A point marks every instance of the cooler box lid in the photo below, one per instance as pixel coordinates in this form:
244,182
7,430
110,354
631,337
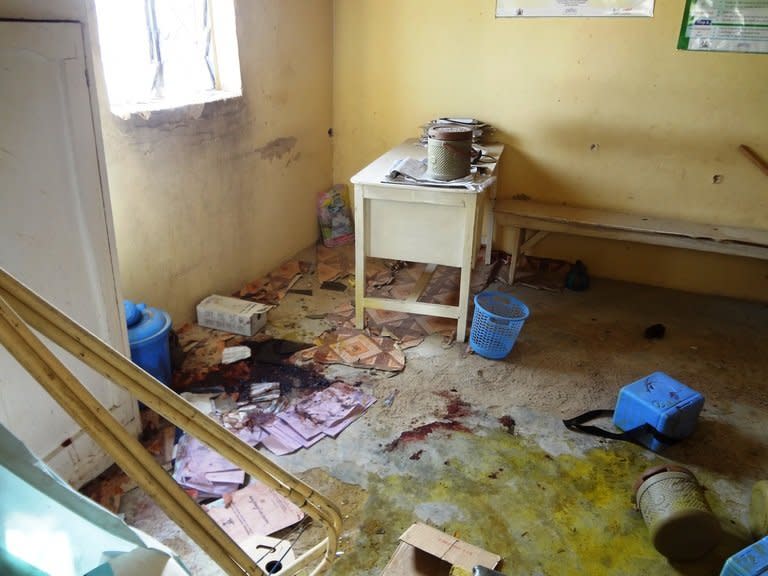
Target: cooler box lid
671,407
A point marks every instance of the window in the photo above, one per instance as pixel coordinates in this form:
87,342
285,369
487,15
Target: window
161,54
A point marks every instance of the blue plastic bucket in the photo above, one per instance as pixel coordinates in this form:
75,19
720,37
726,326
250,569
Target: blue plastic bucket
496,323
148,330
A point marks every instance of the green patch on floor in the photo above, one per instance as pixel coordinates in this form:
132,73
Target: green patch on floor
545,515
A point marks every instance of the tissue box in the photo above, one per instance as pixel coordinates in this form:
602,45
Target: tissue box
668,406
232,315
751,561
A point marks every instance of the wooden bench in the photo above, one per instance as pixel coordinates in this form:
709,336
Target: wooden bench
532,221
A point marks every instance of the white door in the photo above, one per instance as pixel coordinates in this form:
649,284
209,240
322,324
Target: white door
56,231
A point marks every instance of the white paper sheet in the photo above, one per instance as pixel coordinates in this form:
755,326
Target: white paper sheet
570,8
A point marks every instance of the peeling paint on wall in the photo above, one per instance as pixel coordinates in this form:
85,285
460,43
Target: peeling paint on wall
277,148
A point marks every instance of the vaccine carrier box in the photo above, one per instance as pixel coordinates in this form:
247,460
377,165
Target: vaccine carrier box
752,561
658,409
232,315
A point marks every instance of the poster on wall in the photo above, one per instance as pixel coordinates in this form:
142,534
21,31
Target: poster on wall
725,26
583,8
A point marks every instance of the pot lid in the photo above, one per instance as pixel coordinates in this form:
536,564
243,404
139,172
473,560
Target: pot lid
144,322
450,133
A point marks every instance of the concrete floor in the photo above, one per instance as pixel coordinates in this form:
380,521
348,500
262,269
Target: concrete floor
477,448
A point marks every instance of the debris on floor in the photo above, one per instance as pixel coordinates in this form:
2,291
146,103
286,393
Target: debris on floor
327,412
542,273
335,263
451,464
234,354
272,288
271,554
254,509
408,329
426,551
578,278
655,332
108,488
267,363
202,472
353,347
322,414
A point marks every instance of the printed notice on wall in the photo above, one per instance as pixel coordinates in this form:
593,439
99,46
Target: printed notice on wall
725,26
584,8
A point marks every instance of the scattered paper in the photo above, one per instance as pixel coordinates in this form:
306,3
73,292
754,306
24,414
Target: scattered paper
235,354
204,472
321,415
415,170
254,510
202,402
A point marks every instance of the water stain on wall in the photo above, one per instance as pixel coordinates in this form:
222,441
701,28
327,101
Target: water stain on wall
277,148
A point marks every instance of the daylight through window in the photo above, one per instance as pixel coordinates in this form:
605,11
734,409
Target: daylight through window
161,54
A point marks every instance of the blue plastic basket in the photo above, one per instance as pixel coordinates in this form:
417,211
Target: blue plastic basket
496,323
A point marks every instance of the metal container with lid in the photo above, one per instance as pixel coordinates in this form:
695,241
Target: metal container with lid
672,502
449,152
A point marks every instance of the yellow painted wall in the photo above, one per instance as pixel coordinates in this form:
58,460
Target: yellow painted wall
664,121
204,205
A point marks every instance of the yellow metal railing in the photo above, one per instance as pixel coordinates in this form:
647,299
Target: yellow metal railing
21,308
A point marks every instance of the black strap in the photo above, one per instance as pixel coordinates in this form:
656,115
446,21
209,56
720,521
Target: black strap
577,424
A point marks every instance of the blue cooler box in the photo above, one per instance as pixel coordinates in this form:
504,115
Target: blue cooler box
751,561
662,403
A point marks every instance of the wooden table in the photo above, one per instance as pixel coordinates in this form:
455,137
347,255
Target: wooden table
420,223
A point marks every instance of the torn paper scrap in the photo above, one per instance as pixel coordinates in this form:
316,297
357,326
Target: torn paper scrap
235,354
267,551
202,402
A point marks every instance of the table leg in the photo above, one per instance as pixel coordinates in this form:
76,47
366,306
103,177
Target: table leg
360,243
514,251
466,266
489,224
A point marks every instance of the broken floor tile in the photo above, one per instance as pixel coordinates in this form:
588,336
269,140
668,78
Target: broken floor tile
541,273
335,263
272,288
354,348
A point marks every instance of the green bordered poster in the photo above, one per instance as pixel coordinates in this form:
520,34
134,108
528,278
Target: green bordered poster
725,26
584,8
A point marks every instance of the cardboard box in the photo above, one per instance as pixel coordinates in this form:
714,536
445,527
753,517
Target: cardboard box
425,551
232,315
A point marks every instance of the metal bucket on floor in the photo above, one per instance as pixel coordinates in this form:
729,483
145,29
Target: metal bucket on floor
680,522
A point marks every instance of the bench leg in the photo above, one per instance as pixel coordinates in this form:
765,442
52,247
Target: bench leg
516,234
